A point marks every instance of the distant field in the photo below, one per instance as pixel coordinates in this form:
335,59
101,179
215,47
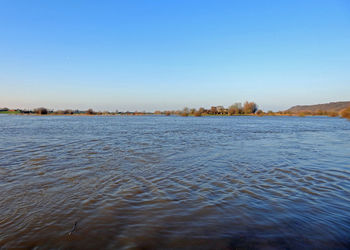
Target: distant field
10,112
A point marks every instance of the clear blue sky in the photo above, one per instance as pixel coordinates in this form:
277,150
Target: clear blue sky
147,55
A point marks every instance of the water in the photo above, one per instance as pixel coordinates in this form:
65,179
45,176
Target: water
174,182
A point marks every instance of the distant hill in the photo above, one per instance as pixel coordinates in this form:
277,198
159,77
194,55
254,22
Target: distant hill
332,106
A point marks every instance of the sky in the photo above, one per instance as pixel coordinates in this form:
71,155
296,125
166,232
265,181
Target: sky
159,55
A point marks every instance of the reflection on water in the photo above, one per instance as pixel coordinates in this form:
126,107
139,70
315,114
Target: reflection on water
174,182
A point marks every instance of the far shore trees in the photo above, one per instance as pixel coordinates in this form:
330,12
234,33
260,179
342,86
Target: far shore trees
90,112
64,112
68,112
197,113
185,112
236,109
260,112
41,111
345,113
250,107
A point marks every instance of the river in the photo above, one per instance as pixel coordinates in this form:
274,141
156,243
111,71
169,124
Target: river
156,182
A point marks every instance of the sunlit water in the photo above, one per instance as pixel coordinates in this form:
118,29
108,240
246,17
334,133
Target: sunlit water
174,182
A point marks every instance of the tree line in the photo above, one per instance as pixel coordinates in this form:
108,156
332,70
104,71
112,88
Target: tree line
248,108
236,109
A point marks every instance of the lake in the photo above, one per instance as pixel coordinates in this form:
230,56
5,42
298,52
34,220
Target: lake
156,182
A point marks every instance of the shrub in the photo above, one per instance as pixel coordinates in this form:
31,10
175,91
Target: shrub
235,109
185,112
345,113
213,110
332,114
319,112
197,113
41,111
259,112
59,112
90,112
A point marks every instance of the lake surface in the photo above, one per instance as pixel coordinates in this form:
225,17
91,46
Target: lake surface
155,182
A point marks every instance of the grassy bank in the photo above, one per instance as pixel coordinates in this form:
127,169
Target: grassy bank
11,112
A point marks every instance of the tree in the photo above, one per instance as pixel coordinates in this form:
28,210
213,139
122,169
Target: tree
68,112
235,109
250,107
197,113
232,110
41,111
90,112
259,112
185,112
220,110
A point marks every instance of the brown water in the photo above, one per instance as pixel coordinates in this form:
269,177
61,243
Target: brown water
174,182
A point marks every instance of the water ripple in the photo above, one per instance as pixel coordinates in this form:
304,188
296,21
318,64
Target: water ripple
174,182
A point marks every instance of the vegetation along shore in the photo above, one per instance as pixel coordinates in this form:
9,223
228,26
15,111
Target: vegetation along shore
334,109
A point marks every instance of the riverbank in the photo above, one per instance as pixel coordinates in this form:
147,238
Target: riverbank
249,109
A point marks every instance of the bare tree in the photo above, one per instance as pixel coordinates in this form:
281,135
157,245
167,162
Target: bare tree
90,112
213,110
41,111
250,107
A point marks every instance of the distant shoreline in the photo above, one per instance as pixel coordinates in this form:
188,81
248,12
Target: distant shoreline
334,109
189,115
